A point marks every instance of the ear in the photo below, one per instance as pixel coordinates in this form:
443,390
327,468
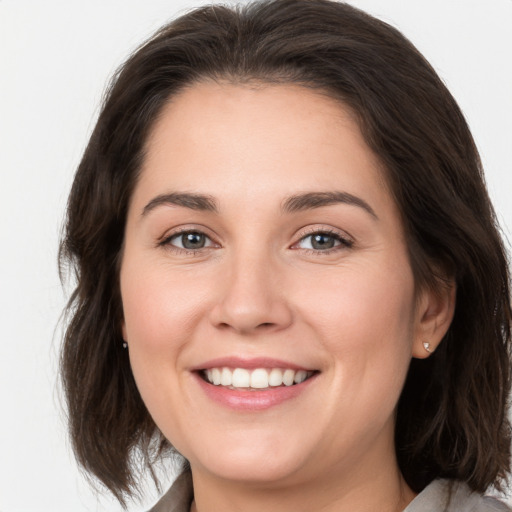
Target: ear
434,314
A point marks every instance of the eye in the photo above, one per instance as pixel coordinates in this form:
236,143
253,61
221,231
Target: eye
189,240
322,241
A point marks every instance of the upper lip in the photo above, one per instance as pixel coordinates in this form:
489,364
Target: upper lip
249,363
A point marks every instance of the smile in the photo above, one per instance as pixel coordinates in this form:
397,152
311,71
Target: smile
255,379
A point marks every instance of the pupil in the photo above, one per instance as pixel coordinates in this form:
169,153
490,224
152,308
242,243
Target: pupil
322,242
193,240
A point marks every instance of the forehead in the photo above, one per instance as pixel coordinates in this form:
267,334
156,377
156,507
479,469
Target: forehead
248,142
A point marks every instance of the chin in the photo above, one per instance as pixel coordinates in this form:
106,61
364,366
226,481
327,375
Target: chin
257,462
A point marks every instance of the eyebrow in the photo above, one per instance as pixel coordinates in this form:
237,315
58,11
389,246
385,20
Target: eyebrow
198,202
310,200
295,203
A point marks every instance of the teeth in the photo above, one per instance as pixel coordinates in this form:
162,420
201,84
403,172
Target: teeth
275,377
260,378
288,377
241,378
215,378
226,377
300,376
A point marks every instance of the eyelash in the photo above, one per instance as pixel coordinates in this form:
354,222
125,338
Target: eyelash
344,242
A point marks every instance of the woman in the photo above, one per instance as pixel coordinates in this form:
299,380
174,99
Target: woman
289,272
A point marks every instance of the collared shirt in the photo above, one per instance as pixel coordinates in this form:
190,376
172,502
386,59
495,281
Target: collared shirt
439,496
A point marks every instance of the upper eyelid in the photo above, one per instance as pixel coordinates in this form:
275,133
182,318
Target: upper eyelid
186,232
186,229
324,230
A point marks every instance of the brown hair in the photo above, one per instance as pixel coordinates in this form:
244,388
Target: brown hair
451,419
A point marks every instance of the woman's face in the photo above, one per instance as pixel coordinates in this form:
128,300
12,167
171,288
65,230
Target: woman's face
262,244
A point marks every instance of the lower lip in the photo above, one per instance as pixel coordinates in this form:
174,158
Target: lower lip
253,400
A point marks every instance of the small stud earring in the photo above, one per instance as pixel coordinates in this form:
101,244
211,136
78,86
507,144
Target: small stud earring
426,346
125,345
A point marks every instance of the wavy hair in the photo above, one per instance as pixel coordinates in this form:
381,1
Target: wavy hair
452,414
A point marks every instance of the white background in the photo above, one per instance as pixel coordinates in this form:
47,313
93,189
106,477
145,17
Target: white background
55,58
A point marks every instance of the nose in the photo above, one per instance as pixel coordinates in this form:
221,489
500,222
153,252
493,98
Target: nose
252,299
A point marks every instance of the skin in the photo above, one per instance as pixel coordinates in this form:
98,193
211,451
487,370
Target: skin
259,288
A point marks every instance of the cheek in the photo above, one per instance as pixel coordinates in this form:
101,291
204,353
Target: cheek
161,311
160,306
365,321
361,300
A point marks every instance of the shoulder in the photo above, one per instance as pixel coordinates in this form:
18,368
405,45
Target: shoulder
492,504
452,496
